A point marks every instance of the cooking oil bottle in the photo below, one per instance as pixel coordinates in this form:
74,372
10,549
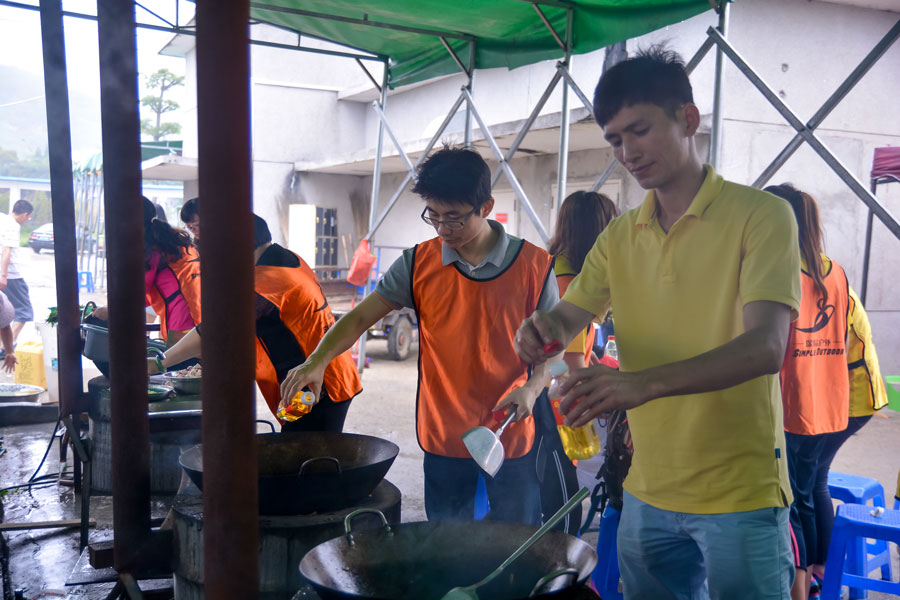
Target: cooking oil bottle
300,405
578,442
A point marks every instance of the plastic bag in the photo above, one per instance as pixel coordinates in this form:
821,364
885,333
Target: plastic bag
363,260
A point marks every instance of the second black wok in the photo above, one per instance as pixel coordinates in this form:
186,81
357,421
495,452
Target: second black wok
310,471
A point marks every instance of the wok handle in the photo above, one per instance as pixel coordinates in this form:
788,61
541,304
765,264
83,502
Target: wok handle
269,423
360,511
543,581
84,312
332,459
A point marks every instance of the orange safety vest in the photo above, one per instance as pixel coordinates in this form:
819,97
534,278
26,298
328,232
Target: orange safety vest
467,362
304,311
187,273
815,386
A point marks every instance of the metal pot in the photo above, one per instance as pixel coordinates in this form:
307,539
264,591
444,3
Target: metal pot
310,471
424,560
19,392
96,342
183,385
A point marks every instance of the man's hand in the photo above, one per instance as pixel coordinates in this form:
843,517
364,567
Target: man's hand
310,374
2,282
595,390
539,337
9,362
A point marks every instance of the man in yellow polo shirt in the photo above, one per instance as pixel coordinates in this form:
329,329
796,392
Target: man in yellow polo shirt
703,280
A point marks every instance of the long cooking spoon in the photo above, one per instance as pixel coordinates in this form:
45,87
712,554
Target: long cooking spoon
469,593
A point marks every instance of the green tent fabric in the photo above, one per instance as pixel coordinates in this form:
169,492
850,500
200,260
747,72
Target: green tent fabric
507,33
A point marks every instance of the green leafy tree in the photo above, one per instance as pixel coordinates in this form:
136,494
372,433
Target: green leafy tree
37,165
160,82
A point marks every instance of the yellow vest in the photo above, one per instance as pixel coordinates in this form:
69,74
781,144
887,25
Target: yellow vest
867,393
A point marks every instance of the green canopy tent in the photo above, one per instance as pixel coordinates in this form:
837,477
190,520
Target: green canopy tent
505,33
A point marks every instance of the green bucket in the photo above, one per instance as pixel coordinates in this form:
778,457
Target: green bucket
892,383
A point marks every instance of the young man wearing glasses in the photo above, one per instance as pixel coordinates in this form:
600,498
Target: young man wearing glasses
471,287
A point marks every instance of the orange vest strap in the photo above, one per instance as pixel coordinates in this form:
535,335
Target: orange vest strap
467,361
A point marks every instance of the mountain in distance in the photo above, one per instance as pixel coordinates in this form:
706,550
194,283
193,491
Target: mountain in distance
23,120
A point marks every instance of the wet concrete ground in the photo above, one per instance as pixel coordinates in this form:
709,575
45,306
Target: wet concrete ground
41,560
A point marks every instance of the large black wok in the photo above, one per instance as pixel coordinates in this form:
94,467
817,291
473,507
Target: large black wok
310,471
425,560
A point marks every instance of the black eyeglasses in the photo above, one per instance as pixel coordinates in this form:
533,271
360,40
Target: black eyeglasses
453,225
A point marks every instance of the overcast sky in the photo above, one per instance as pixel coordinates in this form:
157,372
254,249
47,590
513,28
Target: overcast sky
20,42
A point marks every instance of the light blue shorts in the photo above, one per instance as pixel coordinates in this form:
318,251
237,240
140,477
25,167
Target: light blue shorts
685,556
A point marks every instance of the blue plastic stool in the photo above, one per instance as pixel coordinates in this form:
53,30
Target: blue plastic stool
606,574
862,556
853,522
86,280
482,505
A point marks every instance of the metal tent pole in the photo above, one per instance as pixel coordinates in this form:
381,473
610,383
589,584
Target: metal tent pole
562,168
135,546
470,72
808,136
411,175
715,138
373,204
867,250
839,94
56,91
526,127
230,500
507,170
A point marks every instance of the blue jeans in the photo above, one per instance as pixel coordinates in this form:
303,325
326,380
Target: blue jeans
514,493
685,556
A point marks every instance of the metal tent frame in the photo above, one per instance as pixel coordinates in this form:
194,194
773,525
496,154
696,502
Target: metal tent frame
222,95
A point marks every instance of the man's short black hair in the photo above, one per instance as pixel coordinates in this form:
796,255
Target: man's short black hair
655,75
23,207
454,176
189,210
261,233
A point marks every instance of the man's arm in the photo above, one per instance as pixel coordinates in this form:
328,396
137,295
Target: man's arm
339,338
756,352
556,326
4,265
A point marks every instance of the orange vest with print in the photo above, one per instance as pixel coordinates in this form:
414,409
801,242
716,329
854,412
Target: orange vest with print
304,311
467,362
187,273
815,386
